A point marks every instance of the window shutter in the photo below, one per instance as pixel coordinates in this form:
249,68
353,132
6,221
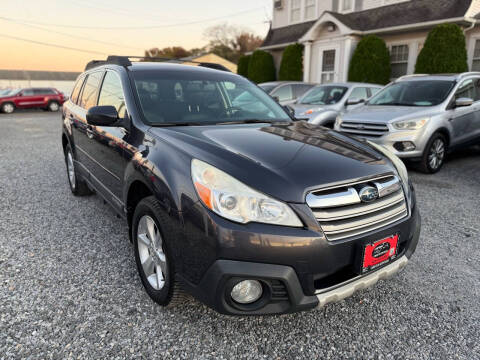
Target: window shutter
358,5
335,5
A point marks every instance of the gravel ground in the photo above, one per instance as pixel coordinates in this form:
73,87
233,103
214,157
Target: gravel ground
69,287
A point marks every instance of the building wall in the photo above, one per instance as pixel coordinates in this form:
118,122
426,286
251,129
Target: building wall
64,86
282,17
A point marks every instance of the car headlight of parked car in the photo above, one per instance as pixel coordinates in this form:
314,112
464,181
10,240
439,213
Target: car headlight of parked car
413,124
235,201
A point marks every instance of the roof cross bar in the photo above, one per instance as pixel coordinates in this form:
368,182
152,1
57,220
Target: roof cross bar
125,62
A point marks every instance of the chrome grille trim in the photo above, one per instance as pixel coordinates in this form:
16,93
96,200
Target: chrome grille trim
341,213
362,128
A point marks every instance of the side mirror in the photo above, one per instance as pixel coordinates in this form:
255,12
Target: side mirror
463,102
19,94
276,98
289,110
354,101
102,115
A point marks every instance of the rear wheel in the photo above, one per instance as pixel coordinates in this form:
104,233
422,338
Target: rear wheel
152,253
8,108
434,154
53,106
77,186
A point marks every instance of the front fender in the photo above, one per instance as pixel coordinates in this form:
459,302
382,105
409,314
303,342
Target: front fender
324,117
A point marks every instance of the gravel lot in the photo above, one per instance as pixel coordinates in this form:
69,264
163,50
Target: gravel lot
69,286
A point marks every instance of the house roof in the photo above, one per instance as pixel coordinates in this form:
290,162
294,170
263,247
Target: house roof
38,75
404,13
286,34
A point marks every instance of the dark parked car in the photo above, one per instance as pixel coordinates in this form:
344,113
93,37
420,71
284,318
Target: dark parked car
45,98
250,212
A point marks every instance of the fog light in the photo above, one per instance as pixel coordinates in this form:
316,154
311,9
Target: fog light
404,146
247,291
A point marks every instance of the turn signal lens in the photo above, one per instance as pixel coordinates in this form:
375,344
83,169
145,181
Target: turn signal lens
235,201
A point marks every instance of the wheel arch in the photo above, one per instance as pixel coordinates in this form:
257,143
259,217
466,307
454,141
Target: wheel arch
444,131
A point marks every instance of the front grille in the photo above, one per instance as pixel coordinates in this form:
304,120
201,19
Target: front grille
342,214
365,129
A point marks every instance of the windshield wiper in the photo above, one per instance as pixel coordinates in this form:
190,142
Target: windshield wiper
180,124
250,121
394,104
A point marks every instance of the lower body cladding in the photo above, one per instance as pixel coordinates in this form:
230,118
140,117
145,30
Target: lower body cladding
271,273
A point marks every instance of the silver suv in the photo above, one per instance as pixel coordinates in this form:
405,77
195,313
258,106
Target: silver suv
420,117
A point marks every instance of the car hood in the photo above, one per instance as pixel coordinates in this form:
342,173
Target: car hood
385,114
301,108
284,161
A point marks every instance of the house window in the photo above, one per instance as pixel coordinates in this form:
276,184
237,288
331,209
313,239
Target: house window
309,9
347,5
296,10
476,57
399,60
328,66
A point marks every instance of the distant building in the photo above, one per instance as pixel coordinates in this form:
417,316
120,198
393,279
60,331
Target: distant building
213,58
61,80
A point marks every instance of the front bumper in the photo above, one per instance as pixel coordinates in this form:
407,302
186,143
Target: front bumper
290,284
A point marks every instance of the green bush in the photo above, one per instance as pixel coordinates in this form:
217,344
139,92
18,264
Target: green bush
444,51
370,61
291,67
242,66
261,67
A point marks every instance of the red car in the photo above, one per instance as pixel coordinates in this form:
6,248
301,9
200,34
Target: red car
45,98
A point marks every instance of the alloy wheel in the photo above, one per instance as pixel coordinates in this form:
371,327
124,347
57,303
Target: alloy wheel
8,108
150,251
436,154
53,106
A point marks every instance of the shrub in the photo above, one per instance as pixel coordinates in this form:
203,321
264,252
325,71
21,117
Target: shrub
370,61
242,66
444,51
261,67
291,67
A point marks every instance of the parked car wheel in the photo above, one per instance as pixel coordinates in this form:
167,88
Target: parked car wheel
77,186
152,254
434,154
8,108
53,106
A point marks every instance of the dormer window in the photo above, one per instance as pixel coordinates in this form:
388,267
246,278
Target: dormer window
302,10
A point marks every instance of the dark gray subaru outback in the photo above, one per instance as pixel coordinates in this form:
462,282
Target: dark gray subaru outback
226,197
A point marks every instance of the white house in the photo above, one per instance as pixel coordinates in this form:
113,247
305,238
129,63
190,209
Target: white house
331,29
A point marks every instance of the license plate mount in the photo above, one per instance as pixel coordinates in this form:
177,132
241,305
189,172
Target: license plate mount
379,253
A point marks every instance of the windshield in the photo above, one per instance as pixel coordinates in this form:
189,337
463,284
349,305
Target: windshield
268,87
197,98
414,93
8,92
324,95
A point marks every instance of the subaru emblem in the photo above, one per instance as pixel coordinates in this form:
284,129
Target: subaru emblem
368,194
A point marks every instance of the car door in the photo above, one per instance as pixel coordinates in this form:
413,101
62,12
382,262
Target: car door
82,132
462,118
26,99
108,142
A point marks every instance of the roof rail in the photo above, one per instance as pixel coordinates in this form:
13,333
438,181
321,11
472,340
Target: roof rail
469,73
411,75
126,62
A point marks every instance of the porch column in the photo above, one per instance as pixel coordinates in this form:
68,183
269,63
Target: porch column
346,60
307,54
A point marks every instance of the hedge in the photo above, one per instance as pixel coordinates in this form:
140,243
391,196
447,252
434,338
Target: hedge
261,67
242,66
444,51
291,67
370,62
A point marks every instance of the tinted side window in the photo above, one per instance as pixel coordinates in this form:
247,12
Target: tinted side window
466,90
112,94
89,93
374,91
299,90
359,93
76,90
43,91
283,93
27,92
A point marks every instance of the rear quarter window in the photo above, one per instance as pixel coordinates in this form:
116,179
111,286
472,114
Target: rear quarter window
90,90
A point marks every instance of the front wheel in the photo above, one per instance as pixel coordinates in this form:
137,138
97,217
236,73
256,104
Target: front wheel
8,108
77,186
152,254
434,154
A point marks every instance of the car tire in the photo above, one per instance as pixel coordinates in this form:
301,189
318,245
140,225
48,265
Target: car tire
153,255
77,185
53,106
8,108
433,157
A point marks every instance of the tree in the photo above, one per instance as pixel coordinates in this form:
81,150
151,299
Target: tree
261,67
231,42
242,68
444,51
370,62
173,52
291,67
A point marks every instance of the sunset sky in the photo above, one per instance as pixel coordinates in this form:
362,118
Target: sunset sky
120,27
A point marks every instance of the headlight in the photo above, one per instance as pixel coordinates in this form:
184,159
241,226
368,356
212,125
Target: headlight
235,201
338,121
410,124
